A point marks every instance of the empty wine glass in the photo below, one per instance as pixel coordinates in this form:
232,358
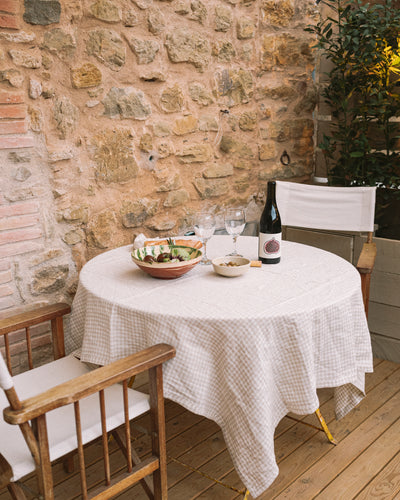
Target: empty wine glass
204,228
235,220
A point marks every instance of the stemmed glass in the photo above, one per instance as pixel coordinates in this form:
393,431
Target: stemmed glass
235,220
204,228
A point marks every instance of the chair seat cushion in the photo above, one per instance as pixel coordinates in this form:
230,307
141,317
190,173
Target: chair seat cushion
61,422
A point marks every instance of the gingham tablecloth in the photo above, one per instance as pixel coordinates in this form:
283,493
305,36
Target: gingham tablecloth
249,349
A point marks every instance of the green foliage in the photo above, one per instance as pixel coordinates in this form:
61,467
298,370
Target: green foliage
362,43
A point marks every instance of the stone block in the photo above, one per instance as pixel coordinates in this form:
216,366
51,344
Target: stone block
106,11
86,76
195,153
184,45
42,12
114,157
107,46
211,188
49,280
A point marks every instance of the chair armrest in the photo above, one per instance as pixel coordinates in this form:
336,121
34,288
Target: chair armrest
90,383
367,257
33,317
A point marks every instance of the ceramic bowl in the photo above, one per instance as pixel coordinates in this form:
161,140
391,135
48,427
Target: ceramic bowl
241,266
166,270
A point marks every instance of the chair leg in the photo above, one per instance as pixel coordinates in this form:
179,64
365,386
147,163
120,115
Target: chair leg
16,492
158,436
145,482
324,426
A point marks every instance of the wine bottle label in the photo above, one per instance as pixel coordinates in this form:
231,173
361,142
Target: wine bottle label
269,245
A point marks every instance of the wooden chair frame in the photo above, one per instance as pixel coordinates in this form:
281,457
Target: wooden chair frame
34,410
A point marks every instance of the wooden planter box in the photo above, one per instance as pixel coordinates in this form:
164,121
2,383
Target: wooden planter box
384,308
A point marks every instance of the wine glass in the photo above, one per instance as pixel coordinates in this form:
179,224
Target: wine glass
235,220
204,228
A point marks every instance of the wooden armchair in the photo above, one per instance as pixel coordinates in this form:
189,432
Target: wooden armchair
59,407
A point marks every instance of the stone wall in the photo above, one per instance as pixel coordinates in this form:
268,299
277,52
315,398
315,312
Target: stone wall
126,116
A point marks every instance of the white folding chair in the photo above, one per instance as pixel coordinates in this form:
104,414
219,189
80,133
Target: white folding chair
59,407
337,209
332,208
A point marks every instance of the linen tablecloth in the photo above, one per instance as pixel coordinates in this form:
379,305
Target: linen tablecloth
249,349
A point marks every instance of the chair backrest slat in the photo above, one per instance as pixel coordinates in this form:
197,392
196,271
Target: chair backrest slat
81,456
8,353
29,347
106,457
127,426
326,207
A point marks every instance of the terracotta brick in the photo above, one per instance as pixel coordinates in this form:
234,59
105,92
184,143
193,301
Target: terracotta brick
16,127
6,302
29,207
18,222
37,342
13,111
20,335
5,290
19,248
4,265
11,97
9,6
31,233
5,276
16,142
9,21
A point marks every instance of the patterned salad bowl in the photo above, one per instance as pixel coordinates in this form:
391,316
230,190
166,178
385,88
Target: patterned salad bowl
166,261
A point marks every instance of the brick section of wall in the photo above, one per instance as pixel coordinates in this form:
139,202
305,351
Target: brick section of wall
20,235
41,347
11,97
19,228
19,231
15,142
13,111
9,6
17,127
18,222
8,14
30,207
13,120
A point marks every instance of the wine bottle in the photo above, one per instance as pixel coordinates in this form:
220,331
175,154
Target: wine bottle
270,235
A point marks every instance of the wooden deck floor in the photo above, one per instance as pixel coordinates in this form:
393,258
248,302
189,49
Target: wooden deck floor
364,465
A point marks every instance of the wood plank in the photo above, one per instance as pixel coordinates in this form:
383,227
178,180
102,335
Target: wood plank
386,484
388,253
386,347
384,319
310,482
198,442
352,480
294,465
385,288
338,244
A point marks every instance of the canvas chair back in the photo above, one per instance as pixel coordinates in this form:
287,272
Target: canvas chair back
326,207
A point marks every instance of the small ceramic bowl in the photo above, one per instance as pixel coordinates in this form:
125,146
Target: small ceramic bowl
237,267
166,270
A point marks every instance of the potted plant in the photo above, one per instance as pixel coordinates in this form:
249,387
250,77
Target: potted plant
361,42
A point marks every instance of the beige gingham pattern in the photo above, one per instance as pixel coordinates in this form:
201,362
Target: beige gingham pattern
249,349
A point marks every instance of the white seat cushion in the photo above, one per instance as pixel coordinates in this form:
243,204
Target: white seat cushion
61,422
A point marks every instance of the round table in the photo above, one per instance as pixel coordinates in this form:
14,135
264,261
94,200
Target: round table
250,349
